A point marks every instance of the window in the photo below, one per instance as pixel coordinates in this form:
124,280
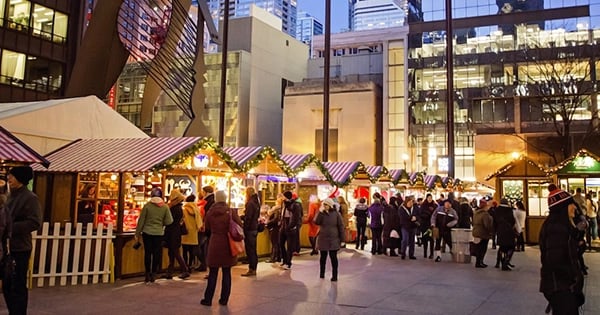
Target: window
18,15
13,67
42,21
333,144
61,22
2,4
42,74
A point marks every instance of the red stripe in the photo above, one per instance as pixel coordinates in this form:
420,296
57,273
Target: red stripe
12,150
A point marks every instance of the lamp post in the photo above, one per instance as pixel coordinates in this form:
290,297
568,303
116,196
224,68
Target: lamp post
404,159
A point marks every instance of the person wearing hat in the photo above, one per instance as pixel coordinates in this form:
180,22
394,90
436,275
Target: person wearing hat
561,273
154,217
173,235
291,220
331,236
483,231
25,213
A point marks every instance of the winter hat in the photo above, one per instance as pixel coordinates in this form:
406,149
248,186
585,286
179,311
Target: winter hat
328,202
176,197
22,173
208,189
220,196
559,199
288,195
156,192
362,200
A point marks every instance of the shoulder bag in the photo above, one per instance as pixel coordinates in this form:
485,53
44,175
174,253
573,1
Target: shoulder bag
236,243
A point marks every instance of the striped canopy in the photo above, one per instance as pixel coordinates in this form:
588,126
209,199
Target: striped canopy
14,151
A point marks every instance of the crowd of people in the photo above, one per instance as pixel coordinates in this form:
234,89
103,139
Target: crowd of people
202,228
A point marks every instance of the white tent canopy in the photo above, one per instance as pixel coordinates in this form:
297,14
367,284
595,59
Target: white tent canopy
48,125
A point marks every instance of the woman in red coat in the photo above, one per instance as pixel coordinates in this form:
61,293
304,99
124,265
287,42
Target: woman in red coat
219,255
313,228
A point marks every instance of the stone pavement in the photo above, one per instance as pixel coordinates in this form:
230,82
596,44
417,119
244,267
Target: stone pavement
367,285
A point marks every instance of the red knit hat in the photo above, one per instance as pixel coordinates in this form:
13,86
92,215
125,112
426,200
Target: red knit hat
557,199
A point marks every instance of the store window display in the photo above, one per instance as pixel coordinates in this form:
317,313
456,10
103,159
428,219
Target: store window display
18,15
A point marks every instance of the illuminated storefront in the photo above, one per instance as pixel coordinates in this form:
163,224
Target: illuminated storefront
582,170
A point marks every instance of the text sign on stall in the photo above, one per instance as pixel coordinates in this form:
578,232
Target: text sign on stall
581,165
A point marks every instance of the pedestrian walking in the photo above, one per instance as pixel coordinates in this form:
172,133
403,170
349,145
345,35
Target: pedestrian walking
444,218
291,220
331,235
408,225
250,219
361,213
483,231
376,215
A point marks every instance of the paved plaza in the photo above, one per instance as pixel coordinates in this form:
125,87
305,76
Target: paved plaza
367,285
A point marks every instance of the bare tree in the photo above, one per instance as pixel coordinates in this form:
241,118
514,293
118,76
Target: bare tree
560,89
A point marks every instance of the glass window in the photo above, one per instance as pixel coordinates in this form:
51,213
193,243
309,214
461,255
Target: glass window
42,20
18,14
13,66
42,74
2,4
61,22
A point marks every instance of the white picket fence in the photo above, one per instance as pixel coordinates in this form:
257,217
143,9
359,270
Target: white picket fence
70,255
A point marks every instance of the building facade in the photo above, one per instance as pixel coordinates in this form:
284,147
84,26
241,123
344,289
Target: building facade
286,10
520,68
373,14
38,43
376,56
308,26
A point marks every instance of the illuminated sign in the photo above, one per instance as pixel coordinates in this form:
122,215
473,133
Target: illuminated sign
584,162
201,161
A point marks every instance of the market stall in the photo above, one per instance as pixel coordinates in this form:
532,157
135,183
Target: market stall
581,170
109,181
525,180
14,152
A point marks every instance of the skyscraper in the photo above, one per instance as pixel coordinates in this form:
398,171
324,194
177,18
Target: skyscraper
306,27
372,14
283,9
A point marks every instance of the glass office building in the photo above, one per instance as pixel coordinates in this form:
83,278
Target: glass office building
36,50
373,14
308,26
286,10
503,54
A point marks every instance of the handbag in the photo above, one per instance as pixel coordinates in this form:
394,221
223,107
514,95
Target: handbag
235,230
183,227
236,247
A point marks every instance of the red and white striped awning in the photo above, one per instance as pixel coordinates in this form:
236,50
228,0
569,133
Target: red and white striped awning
295,161
241,155
117,155
14,151
340,172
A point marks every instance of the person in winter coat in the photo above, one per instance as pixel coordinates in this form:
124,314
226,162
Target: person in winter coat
561,272
344,207
376,215
391,222
272,225
483,231
250,218
25,215
361,213
408,225
426,210
465,214
193,223
313,229
506,233
154,217
219,254
520,216
444,218
331,235
208,200
173,235
291,221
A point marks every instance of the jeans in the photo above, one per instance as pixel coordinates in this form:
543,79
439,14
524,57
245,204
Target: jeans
361,238
594,228
288,243
408,240
250,246
16,294
334,263
481,251
213,272
152,252
376,246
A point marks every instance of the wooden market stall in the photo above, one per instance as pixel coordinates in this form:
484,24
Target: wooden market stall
264,170
14,152
581,170
109,180
525,180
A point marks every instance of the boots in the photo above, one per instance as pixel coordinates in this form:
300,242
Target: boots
498,259
438,256
313,244
249,273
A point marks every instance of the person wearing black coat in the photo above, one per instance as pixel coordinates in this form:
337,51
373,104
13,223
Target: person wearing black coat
561,279
250,219
408,226
173,235
506,233
391,222
291,220
465,214
361,214
425,211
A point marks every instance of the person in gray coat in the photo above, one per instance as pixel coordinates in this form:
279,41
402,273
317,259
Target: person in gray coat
331,235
